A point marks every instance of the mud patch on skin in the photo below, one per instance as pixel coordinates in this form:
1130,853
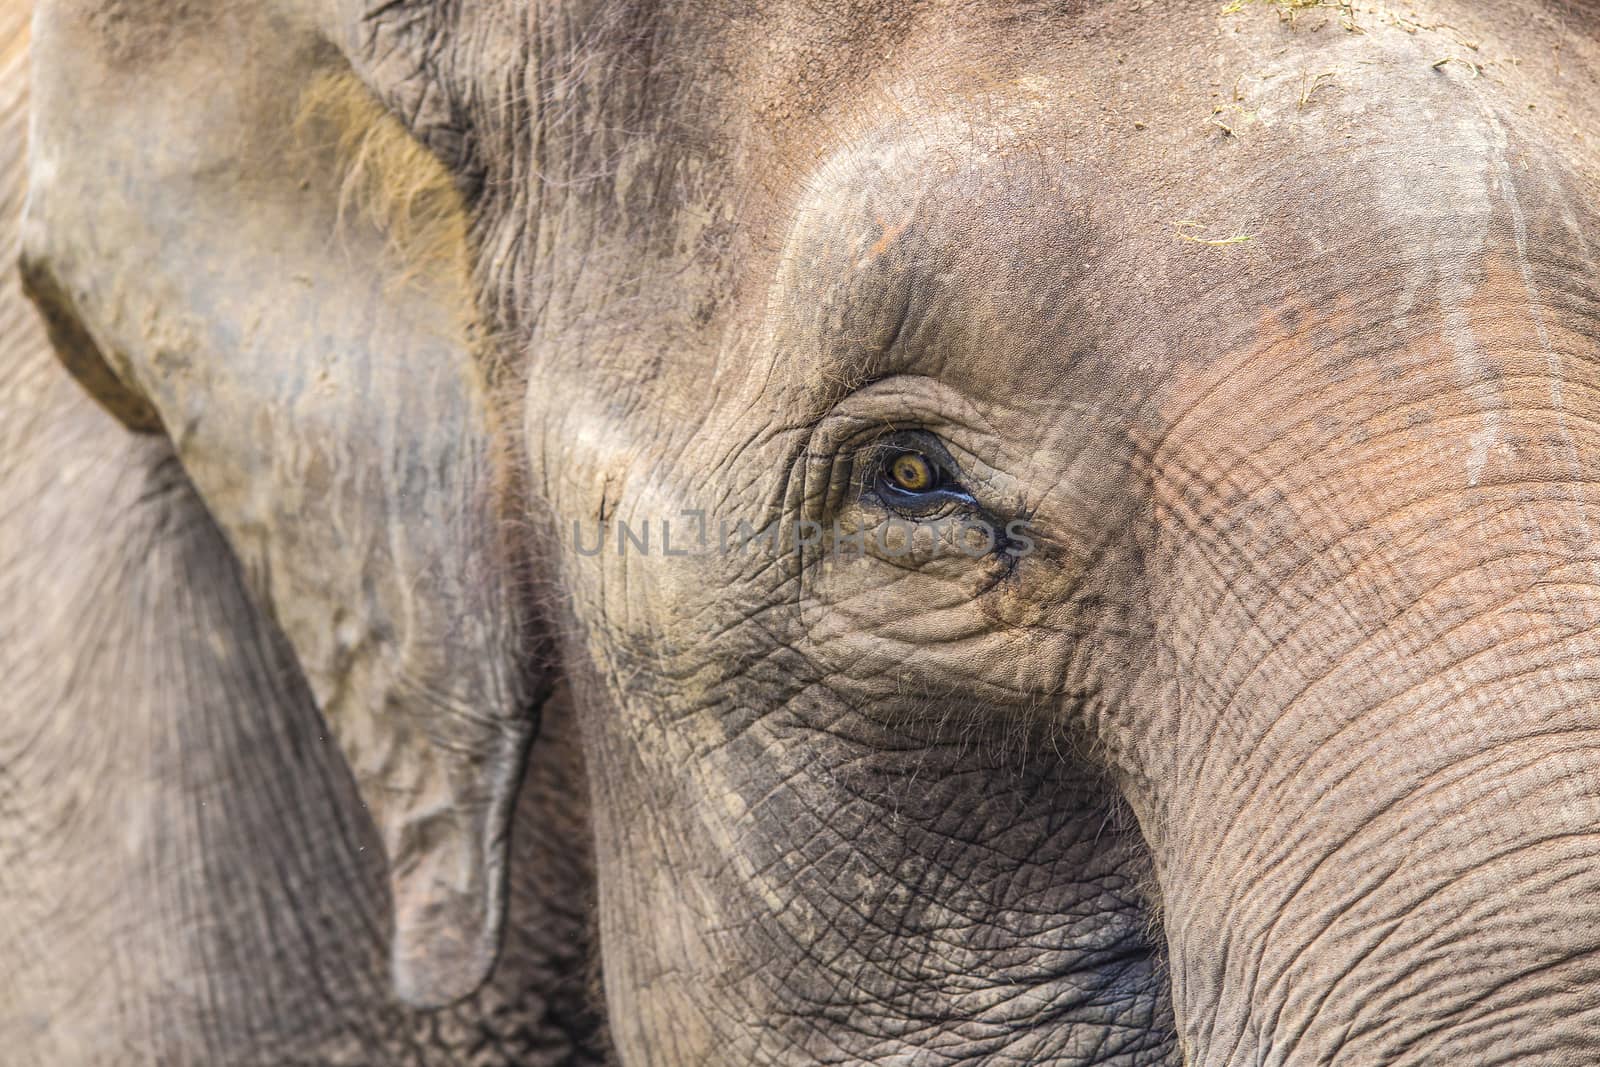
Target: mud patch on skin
1445,276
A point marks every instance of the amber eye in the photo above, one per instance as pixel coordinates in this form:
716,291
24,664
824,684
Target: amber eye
912,472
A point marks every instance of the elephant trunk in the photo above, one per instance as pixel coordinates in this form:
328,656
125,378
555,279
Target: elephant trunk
1404,879
1374,800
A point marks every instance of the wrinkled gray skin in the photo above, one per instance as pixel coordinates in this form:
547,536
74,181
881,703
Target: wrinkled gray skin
189,876
1281,748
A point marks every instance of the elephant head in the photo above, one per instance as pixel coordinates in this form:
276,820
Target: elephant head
1067,526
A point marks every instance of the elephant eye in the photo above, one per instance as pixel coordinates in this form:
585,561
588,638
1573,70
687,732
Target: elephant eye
916,481
912,472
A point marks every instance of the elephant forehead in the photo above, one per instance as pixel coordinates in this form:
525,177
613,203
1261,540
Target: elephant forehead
916,248
1015,240
1419,271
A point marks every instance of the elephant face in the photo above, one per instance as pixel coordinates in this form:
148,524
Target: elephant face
1067,529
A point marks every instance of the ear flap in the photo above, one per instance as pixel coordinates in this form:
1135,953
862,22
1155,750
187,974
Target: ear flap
233,242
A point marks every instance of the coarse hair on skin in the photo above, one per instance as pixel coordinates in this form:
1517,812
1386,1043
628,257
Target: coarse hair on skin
386,181
385,177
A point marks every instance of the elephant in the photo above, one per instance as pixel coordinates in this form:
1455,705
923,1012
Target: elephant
865,532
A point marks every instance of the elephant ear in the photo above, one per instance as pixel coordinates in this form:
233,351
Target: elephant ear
234,243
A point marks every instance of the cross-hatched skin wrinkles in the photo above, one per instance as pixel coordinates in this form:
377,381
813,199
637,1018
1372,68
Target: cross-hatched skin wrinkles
330,738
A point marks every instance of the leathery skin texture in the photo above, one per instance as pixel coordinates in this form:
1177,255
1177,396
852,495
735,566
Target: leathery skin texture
519,603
